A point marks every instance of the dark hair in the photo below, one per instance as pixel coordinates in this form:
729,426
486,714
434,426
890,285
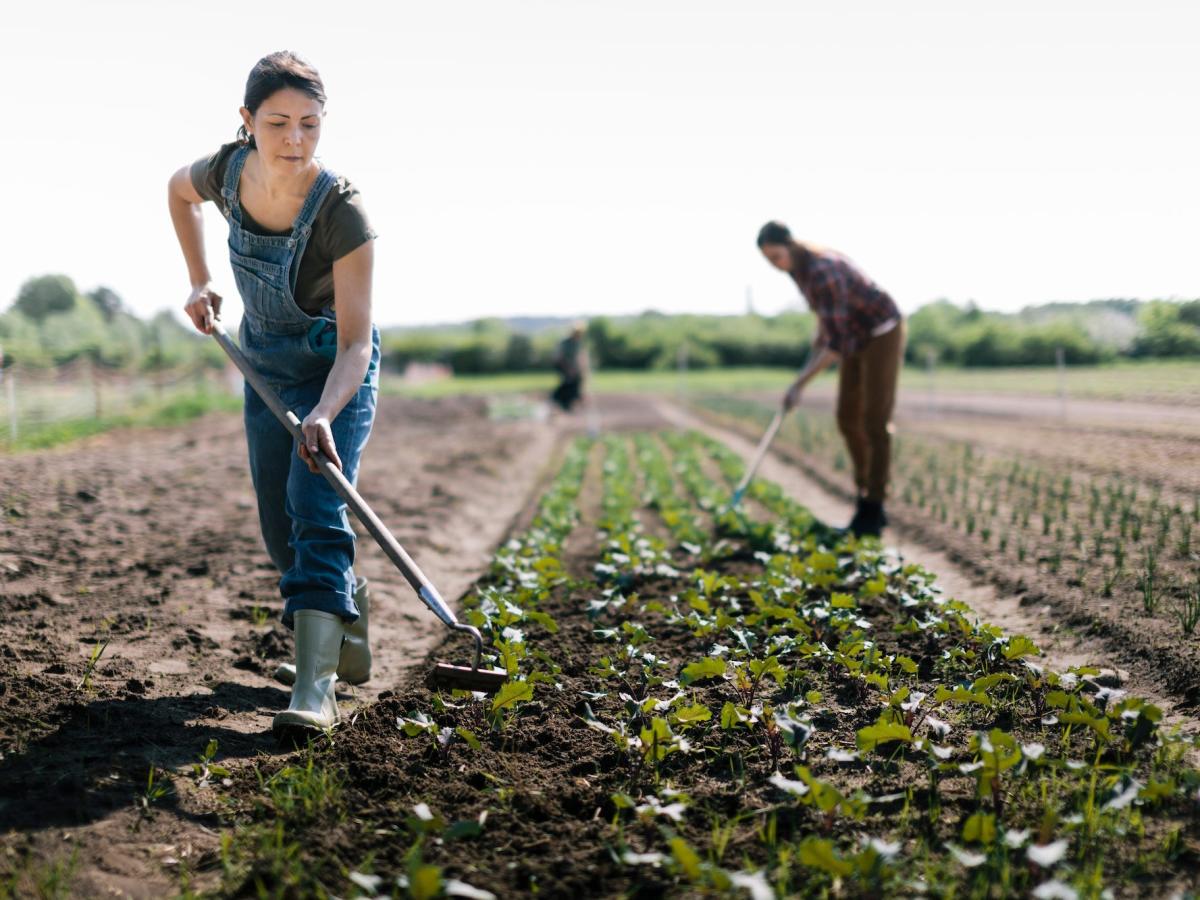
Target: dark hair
275,72
774,232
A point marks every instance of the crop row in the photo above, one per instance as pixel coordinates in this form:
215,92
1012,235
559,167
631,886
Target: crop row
801,713
1104,534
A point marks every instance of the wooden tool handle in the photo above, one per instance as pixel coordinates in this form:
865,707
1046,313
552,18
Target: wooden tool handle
408,568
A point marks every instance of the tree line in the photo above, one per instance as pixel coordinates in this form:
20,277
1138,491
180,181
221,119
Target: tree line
940,332
51,323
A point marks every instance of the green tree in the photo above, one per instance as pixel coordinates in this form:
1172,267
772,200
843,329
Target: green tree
46,295
518,353
1165,331
108,302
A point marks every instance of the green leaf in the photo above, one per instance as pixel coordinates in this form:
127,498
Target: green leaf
732,716
987,682
1098,724
548,565
818,854
464,828
980,828
687,858
542,619
1019,647
425,882
875,587
690,715
879,680
703,670
842,601
882,733
822,562
469,736
1157,790
512,693
960,695
622,800
769,666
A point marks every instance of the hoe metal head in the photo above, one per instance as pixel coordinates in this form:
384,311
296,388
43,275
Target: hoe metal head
469,678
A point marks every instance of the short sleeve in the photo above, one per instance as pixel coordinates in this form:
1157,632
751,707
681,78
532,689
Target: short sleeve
348,227
208,173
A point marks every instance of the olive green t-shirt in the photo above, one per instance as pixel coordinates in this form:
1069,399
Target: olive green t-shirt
340,226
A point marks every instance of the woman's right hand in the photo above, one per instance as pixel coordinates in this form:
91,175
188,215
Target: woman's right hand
203,308
792,398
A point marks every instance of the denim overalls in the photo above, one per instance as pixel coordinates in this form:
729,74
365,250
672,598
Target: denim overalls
303,521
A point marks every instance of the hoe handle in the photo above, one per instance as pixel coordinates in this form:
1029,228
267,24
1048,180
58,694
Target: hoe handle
763,444
412,573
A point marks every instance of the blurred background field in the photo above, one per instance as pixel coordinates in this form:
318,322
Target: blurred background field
76,363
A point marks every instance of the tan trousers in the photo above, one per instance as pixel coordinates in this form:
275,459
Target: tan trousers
866,396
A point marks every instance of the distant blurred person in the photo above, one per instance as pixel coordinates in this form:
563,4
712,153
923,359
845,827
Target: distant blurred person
571,361
860,328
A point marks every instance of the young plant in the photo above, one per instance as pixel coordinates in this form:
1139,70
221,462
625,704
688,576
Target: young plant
85,683
1188,609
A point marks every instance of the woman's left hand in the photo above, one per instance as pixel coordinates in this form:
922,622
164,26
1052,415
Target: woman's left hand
317,435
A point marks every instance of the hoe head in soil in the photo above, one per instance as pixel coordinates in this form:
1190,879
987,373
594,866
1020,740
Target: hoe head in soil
472,677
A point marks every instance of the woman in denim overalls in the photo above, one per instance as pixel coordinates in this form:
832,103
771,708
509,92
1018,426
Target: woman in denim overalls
324,367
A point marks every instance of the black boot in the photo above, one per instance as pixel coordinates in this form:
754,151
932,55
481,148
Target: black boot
869,519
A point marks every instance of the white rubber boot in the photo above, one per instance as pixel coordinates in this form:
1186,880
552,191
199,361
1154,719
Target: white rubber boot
318,644
354,666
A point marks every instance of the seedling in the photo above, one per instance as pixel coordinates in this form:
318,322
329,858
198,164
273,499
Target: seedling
155,790
1148,583
1188,610
85,683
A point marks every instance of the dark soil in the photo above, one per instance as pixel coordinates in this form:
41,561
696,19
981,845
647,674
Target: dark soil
144,545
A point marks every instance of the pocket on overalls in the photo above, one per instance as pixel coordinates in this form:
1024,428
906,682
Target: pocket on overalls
268,275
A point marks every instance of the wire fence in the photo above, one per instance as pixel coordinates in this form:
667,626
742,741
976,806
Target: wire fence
33,400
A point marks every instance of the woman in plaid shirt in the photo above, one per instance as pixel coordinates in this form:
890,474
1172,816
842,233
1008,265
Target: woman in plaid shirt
860,328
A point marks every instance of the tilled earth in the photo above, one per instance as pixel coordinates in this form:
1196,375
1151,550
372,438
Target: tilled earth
141,621
145,545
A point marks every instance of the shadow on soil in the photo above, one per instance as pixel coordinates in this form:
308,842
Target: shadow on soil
98,758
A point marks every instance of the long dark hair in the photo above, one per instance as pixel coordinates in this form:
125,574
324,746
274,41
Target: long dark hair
275,72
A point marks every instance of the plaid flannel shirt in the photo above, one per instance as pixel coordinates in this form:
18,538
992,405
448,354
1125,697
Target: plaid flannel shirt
848,304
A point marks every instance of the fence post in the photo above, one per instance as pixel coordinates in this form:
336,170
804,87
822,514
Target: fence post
1061,362
681,365
10,393
99,397
930,357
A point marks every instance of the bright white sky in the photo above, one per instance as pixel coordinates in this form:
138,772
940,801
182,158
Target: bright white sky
566,157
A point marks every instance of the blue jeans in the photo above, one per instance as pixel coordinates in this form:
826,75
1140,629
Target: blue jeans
304,522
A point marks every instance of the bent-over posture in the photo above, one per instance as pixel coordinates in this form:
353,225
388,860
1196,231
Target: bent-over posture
860,328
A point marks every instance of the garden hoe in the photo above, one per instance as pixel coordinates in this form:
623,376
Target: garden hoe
469,678
763,444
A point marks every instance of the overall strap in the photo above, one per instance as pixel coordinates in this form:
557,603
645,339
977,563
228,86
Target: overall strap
302,226
233,174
